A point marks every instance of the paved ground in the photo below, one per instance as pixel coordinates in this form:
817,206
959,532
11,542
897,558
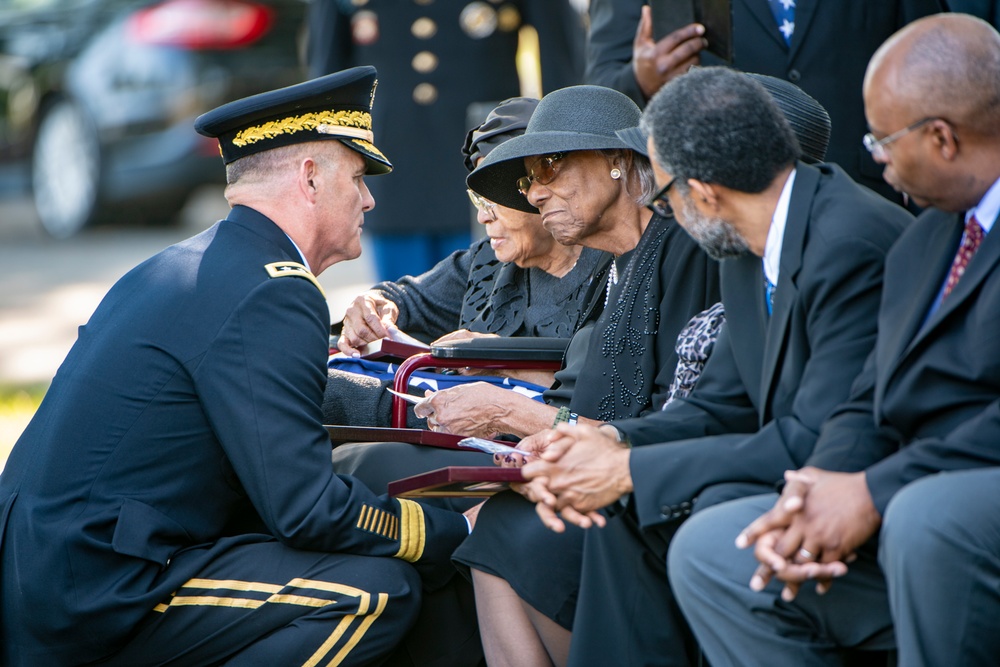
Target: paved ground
49,288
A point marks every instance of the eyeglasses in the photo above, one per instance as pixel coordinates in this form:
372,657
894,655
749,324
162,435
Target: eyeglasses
659,204
483,204
877,146
544,171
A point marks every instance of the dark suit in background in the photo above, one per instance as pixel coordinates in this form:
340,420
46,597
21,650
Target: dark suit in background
755,412
435,60
829,51
177,478
928,400
988,10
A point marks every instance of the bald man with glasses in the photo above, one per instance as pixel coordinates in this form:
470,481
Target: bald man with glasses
896,516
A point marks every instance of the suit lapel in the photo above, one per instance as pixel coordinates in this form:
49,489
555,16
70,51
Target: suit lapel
746,316
981,265
804,12
787,291
912,296
907,299
762,12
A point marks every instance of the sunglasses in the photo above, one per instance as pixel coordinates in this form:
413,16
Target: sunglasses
544,172
484,205
659,204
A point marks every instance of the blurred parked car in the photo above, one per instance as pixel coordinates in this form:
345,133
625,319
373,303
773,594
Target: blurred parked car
98,97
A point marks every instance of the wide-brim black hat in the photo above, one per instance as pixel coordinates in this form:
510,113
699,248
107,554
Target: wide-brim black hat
333,107
808,118
506,121
635,139
578,118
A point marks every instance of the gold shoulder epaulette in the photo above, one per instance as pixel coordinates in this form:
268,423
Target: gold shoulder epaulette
294,270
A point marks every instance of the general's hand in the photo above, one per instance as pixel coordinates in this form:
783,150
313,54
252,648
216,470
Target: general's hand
476,409
655,63
368,318
585,470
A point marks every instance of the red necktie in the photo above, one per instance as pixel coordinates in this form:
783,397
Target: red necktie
970,243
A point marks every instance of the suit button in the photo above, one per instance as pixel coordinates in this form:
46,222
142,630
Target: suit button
425,93
424,62
423,28
685,508
478,20
509,18
794,75
665,511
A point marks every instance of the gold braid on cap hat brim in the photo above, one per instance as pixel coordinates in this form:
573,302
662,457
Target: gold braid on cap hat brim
355,125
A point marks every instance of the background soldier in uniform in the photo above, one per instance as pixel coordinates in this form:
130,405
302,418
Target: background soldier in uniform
435,59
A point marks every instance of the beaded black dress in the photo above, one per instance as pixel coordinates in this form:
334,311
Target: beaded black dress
629,369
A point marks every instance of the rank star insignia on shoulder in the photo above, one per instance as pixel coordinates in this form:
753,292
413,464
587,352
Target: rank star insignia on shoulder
292,270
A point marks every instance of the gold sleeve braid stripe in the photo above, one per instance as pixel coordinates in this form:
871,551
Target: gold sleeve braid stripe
342,123
380,522
292,270
412,532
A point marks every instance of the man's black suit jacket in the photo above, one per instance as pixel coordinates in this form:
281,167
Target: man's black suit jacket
772,381
928,399
830,49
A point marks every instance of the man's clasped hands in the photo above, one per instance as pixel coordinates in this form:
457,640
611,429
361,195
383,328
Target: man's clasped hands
812,533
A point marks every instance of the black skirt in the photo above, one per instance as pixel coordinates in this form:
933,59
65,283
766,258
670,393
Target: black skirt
507,542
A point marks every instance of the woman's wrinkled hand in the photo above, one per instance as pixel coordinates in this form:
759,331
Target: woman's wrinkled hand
477,409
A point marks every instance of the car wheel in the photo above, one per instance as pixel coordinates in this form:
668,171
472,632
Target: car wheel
66,169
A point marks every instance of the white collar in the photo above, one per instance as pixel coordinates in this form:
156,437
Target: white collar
299,250
987,209
776,232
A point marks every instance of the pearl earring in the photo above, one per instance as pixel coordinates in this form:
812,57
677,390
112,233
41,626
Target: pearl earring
616,173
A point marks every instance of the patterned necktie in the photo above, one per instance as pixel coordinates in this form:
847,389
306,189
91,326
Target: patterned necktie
784,14
769,295
970,243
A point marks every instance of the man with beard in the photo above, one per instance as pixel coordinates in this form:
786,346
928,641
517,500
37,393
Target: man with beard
804,248
899,500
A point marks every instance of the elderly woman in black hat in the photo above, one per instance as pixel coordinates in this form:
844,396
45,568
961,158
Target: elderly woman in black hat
591,188
526,577
517,281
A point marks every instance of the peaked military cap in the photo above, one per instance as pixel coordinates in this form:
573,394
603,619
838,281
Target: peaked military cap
507,120
336,106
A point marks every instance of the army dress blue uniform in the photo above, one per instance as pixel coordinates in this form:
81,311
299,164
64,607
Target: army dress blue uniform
435,58
173,495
